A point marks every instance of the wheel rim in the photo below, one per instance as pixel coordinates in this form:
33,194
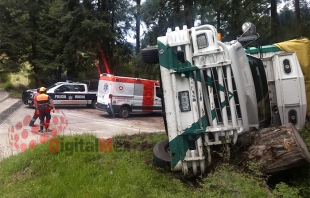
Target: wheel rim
125,113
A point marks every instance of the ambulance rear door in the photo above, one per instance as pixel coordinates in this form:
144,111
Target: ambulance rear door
104,90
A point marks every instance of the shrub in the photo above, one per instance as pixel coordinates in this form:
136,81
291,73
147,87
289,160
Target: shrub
8,86
284,191
4,77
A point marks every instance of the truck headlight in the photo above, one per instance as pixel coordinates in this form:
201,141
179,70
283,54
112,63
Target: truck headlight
202,41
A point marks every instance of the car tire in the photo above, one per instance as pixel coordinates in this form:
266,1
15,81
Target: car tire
161,154
24,97
150,55
31,104
93,104
124,112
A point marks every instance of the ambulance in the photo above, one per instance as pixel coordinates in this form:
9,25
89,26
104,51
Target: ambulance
126,95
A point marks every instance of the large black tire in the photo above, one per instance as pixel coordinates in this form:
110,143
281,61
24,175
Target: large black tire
150,55
124,112
25,97
161,154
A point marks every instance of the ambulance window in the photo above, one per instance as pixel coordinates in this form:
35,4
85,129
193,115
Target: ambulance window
158,92
138,90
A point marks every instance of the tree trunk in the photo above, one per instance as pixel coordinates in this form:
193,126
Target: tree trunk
188,12
33,24
274,18
218,21
297,11
276,148
138,28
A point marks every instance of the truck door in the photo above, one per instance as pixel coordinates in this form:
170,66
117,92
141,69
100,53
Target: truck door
59,95
79,95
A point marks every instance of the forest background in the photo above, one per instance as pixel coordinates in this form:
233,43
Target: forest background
46,41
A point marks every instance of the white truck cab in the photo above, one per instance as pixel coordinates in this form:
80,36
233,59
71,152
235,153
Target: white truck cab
214,91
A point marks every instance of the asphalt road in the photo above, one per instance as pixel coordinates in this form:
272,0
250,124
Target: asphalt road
16,136
3,95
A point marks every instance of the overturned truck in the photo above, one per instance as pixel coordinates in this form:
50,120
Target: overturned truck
214,91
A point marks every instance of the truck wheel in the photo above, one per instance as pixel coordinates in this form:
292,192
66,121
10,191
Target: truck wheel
150,55
161,154
124,112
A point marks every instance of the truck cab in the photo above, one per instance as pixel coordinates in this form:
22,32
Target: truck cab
214,91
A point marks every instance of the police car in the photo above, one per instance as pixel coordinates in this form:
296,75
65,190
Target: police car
68,93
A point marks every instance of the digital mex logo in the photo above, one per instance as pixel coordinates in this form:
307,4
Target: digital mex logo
22,138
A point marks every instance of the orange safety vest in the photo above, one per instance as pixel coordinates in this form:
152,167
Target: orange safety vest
35,99
43,100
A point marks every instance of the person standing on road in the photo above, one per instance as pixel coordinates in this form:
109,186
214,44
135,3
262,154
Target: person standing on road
35,115
44,106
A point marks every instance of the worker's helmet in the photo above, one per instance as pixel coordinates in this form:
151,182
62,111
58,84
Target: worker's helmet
42,89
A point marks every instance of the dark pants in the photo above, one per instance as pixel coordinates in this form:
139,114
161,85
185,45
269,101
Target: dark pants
45,114
34,118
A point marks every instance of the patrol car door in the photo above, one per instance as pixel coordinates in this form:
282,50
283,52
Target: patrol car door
157,99
60,96
77,94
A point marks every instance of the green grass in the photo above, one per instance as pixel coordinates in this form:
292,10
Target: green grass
15,84
127,171
15,91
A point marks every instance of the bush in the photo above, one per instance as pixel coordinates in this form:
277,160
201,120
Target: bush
8,86
4,77
285,191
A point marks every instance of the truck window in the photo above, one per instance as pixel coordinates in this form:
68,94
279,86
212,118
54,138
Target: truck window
261,89
79,88
64,88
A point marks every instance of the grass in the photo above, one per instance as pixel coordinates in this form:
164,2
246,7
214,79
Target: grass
127,171
15,83
15,91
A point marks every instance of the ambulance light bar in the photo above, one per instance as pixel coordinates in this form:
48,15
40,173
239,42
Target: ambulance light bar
105,74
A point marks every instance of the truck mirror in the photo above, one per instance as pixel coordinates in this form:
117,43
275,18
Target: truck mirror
248,28
180,56
249,34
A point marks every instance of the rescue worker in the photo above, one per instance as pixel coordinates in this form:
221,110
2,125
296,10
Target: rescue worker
44,106
35,116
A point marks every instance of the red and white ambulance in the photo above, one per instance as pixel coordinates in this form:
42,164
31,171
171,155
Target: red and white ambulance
126,95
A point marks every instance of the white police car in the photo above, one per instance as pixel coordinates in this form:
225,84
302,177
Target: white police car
68,93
